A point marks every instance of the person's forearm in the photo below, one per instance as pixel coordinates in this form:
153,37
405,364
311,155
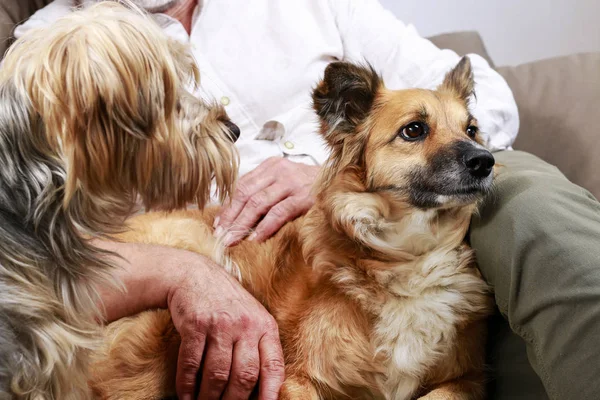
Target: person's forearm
148,273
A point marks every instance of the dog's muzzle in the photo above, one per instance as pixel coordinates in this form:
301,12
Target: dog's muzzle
461,172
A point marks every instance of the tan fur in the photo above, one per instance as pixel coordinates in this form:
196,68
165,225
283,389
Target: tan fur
97,111
374,297
118,105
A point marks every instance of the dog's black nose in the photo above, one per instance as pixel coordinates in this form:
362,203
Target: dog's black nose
479,162
233,129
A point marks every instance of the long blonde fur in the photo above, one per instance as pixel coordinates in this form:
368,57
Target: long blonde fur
96,113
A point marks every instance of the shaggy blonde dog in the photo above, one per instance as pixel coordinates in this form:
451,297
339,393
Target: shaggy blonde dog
94,113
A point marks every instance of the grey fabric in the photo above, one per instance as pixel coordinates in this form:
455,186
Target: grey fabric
13,12
538,244
558,103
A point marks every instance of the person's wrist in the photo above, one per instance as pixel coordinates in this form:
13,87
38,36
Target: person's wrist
150,274
163,274
180,271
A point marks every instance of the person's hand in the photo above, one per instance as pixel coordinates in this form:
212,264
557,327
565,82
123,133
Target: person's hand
228,339
277,191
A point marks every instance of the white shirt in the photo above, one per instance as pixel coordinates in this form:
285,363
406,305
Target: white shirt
261,58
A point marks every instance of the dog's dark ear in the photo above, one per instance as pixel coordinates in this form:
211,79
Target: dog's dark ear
459,81
344,97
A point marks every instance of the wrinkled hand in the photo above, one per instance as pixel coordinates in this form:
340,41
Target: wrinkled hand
277,191
228,340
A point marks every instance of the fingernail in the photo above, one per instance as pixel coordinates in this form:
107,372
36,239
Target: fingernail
216,223
218,231
228,239
252,237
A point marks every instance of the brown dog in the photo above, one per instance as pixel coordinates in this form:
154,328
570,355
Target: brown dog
374,291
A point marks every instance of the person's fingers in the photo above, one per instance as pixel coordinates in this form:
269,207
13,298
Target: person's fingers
245,370
272,369
217,364
279,214
248,185
188,365
256,207
255,180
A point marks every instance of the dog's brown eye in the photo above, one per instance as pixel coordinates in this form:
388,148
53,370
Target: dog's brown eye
472,131
413,131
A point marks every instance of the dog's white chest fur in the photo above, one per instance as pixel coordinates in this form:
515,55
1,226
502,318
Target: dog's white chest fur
421,302
417,323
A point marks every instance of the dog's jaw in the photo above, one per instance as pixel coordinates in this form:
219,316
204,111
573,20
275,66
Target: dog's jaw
385,224
399,230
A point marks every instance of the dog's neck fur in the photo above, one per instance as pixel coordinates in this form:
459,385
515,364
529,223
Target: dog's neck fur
370,234
42,241
383,226
387,255
32,196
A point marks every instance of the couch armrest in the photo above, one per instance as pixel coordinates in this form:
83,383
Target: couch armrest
558,103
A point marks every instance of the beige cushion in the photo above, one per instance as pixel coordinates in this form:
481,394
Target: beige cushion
558,103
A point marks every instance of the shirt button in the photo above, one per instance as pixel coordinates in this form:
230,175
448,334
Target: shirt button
225,100
289,145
